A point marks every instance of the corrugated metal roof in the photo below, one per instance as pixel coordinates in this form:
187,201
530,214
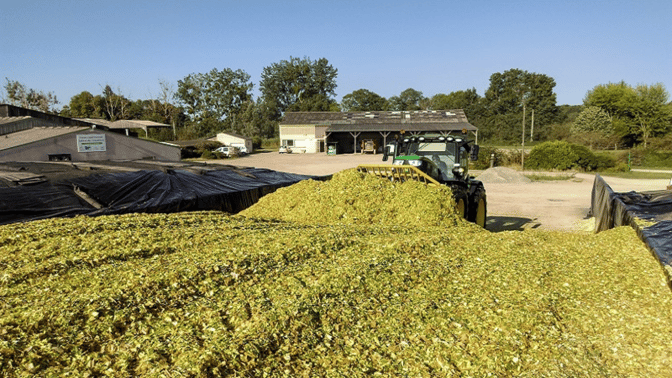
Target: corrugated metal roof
406,126
96,121
6,120
418,116
136,124
35,134
420,120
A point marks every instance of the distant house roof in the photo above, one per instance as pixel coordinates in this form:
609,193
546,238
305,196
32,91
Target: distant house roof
421,120
234,135
35,134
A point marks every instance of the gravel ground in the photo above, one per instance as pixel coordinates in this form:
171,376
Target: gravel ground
546,205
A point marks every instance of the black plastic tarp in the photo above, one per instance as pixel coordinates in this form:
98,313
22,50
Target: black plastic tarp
149,191
174,191
612,209
23,203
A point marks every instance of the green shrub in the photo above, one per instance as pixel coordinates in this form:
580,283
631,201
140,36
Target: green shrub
562,156
208,145
650,157
503,158
257,141
271,143
485,157
207,154
661,143
620,167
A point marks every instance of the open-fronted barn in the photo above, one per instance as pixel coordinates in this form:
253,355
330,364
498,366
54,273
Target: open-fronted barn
313,131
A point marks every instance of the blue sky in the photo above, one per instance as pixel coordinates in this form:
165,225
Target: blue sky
67,47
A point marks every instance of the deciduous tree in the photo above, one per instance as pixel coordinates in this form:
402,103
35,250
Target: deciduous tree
213,99
298,85
82,105
650,111
511,91
18,94
637,113
409,99
363,100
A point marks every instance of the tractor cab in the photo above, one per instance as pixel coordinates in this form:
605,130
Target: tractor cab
444,158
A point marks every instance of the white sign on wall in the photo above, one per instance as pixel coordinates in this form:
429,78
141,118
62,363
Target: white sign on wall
91,143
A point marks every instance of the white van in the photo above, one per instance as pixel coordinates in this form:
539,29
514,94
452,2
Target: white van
228,151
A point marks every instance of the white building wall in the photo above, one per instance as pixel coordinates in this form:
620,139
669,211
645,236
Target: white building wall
302,138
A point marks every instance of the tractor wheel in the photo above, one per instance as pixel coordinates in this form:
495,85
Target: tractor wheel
478,211
461,207
461,199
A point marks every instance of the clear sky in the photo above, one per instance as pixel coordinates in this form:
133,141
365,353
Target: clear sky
67,47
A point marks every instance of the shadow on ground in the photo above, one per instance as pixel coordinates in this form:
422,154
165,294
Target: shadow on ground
498,224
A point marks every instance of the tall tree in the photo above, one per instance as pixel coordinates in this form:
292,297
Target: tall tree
298,85
637,114
467,100
18,94
363,100
254,122
592,125
650,111
213,99
409,99
455,100
82,105
509,94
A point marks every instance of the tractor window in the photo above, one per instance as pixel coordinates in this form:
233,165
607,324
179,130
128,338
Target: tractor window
427,149
441,153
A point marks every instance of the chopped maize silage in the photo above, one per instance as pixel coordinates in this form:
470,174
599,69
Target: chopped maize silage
352,197
205,294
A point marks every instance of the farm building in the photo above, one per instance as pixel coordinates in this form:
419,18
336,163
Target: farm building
235,140
311,132
29,135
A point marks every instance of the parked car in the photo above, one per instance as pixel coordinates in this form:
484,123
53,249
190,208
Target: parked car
242,150
228,151
285,150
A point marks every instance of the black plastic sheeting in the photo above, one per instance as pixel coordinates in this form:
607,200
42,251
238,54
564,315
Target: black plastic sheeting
145,192
612,209
24,203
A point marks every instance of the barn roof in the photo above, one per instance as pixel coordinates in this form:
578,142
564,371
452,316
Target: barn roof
36,134
136,124
420,120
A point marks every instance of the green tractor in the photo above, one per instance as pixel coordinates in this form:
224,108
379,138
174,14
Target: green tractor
437,160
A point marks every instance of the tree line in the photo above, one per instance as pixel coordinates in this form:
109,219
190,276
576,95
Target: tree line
614,114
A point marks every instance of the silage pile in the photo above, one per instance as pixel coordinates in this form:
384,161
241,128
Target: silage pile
502,175
352,197
206,294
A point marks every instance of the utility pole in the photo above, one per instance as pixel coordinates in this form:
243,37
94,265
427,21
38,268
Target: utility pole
532,131
522,154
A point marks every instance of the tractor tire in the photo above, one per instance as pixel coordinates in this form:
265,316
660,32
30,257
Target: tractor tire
461,202
478,211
